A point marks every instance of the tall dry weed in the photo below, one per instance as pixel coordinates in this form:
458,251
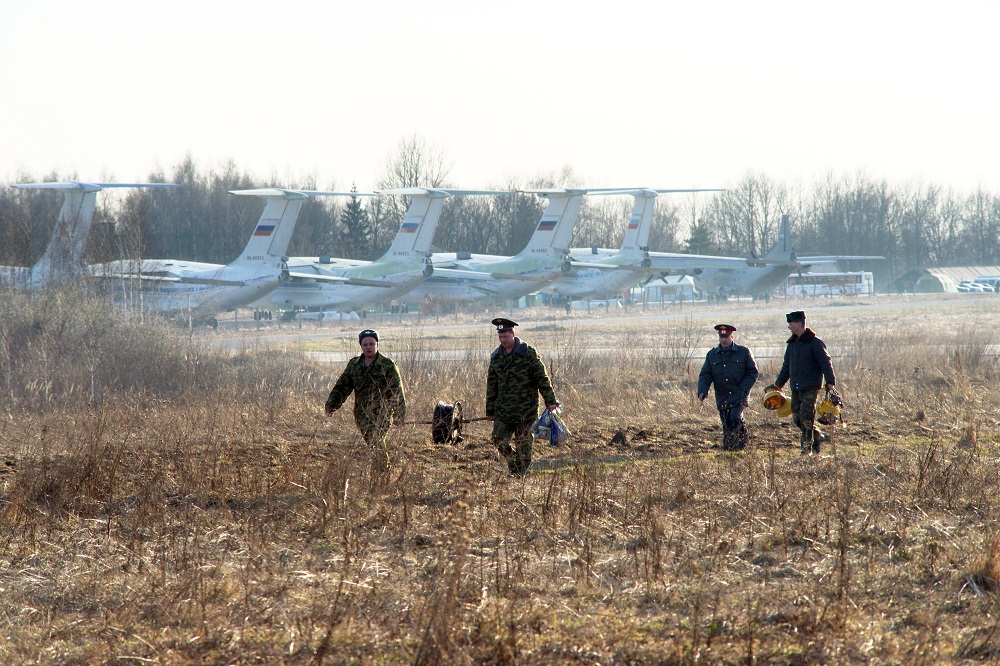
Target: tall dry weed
233,522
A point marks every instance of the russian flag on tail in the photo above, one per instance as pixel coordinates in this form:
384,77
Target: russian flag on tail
547,224
264,230
410,227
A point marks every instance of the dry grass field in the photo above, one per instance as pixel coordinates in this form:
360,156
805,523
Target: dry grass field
167,502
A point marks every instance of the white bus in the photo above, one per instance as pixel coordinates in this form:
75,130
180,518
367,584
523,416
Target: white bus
860,283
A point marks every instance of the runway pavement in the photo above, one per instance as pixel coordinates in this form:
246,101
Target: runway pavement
291,335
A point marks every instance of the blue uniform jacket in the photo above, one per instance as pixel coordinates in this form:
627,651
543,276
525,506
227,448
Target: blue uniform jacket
733,372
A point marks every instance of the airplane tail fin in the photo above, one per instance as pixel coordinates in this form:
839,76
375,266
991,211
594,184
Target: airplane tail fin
782,249
555,228
641,220
63,256
416,233
269,241
636,236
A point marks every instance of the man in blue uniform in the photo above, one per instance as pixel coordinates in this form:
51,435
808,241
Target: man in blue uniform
732,370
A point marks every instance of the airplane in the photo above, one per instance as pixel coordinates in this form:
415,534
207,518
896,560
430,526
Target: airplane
772,269
321,282
615,271
543,259
63,256
201,290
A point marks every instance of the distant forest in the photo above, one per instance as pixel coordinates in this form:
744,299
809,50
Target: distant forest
911,225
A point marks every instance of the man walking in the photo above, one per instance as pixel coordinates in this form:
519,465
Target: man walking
515,378
806,365
732,370
379,401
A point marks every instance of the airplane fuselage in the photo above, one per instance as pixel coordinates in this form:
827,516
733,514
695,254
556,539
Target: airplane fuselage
597,283
533,273
751,280
305,293
157,292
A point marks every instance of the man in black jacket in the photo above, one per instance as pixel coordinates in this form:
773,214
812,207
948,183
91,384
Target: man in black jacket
731,369
806,364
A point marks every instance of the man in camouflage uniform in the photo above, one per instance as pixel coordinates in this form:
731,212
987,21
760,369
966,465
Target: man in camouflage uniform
806,364
379,401
515,378
733,371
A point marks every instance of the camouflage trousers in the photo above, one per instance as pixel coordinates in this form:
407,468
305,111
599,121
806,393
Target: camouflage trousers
734,429
804,415
518,456
374,435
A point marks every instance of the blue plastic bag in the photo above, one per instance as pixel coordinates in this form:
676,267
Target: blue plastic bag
550,429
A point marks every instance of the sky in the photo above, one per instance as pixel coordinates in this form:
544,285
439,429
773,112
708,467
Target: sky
625,94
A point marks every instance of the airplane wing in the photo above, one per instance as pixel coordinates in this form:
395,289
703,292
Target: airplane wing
644,190
281,191
542,277
448,264
760,262
357,282
441,191
210,281
837,257
363,282
662,266
687,262
612,267
169,279
456,274
325,262
91,187
134,276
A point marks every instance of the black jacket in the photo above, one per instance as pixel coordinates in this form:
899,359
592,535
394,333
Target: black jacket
806,363
733,371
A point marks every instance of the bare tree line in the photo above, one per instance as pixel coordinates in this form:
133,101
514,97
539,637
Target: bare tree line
912,225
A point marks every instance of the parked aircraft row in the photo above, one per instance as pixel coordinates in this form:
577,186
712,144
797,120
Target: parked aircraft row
263,277
63,256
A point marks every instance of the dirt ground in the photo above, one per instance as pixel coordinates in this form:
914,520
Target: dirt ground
215,531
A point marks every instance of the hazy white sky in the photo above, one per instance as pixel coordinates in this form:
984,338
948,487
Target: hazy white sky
668,94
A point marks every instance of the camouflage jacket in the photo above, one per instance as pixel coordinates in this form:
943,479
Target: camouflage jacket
378,391
513,383
733,372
